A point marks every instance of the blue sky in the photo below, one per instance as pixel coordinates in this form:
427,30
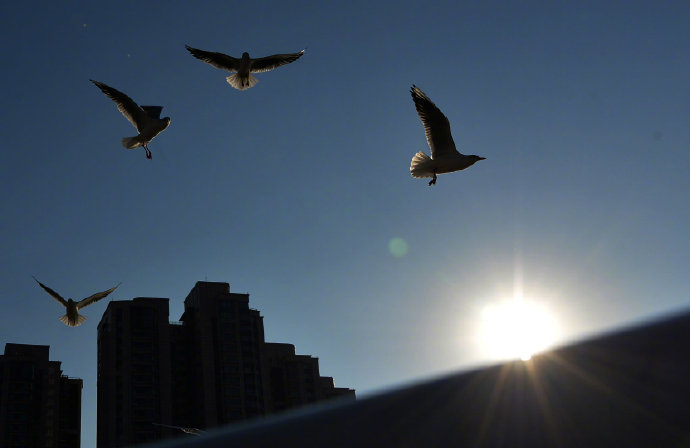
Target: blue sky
292,190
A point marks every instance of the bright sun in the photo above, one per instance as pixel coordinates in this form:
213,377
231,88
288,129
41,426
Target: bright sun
516,329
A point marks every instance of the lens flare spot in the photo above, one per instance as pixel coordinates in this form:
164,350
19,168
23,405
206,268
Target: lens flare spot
397,247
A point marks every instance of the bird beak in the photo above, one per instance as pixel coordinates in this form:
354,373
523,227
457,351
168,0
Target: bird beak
482,158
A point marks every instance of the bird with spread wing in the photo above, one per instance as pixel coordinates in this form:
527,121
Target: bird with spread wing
146,119
445,158
73,318
244,66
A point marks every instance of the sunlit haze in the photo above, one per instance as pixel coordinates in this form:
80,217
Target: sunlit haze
516,329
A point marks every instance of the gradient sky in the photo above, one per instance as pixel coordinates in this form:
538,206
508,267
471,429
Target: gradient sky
293,190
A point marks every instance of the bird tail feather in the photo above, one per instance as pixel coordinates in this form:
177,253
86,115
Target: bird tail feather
421,165
131,142
242,83
65,320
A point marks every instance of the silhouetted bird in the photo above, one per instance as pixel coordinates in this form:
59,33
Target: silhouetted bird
244,66
73,318
184,429
147,119
444,157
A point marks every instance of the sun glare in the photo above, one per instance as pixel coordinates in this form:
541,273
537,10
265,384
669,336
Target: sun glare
516,329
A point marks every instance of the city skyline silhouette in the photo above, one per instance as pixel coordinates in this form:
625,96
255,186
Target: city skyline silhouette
156,372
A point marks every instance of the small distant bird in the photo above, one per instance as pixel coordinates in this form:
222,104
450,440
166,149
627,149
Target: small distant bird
195,431
73,318
444,157
245,66
147,119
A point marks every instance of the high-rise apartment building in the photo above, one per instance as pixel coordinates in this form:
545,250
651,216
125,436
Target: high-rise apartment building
225,347
134,372
211,368
294,380
39,406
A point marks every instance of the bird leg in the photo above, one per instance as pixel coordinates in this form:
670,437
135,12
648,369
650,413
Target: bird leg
433,181
148,152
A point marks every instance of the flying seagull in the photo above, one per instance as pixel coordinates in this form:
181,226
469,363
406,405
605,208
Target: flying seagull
147,119
444,157
195,431
244,66
73,318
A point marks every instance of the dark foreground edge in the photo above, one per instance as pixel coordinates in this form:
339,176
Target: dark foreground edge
630,388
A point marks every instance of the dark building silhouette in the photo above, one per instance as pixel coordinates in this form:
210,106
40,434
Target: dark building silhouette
134,372
211,368
294,380
39,407
225,347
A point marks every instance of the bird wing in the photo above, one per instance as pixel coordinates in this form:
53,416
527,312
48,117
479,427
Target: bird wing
55,295
218,60
436,125
126,105
153,111
185,429
98,296
267,63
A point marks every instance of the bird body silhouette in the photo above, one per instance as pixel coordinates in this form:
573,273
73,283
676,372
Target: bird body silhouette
194,431
73,318
146,119
244,66
445,158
